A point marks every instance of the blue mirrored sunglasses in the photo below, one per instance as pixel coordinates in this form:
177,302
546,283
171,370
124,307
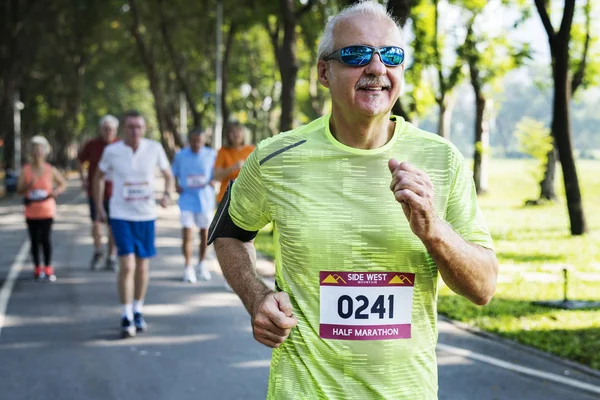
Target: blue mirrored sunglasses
360,55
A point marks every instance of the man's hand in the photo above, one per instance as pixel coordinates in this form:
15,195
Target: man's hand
413,189
101,214
273,319
164,201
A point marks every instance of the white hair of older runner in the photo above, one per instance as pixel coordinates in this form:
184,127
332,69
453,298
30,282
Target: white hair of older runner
366,7
109,119
42,141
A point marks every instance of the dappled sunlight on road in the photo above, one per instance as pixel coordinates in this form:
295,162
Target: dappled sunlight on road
14,321
22,345
192,303
142,340
168,242
445,359
253,364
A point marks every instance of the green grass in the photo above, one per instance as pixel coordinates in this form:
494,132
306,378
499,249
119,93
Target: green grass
533,240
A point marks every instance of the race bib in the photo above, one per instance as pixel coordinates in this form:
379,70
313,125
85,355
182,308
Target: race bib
37,194
196,181
136,191
366,305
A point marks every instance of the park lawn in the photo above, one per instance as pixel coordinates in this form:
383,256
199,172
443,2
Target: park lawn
530,240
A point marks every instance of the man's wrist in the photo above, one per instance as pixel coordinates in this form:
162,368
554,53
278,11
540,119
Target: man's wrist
167,194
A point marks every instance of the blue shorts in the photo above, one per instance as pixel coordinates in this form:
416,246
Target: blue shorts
134,237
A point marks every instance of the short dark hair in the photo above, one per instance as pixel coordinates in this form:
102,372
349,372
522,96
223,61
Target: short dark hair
197,131
131,114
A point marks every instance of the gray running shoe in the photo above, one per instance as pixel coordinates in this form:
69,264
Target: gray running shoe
96,260
111,265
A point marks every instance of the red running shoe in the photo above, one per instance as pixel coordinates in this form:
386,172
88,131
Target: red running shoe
49,272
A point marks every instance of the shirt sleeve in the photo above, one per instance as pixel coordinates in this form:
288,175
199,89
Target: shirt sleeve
220,161
163,161
104,164
84,153
463,212
249,208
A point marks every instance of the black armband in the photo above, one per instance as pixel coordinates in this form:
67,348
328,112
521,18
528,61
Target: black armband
223,226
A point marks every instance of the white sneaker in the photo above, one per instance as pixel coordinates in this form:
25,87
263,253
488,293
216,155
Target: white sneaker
204,272
189,275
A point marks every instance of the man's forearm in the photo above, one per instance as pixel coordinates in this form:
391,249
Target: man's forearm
98,189
168,181
238,262
468,269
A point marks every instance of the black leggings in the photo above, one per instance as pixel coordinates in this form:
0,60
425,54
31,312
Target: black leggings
39,234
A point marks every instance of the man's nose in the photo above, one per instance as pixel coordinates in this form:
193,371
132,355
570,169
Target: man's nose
376,66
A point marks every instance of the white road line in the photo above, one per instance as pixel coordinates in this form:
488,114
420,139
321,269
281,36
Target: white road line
17,266
13,274
517,368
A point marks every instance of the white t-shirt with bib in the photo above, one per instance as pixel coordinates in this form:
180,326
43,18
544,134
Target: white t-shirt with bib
133,175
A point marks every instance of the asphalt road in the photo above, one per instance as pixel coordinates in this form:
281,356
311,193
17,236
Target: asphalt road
60,340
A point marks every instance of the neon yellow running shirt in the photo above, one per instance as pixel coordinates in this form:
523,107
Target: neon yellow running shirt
362,285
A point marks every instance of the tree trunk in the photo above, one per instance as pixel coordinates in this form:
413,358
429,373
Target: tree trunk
7,125
479,142
179,67
288,65
561,132
166,137
547,191
446,104
225,74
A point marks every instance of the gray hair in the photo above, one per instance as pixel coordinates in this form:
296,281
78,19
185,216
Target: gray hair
42,141
365,7
109,119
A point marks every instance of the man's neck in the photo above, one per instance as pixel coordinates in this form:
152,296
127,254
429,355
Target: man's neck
134,146
362,133
37,163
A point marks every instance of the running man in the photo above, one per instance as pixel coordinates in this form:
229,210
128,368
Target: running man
132,163
369,211
90,154
193,172
40,183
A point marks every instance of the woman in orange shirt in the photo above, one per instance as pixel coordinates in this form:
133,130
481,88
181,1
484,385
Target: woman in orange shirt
231,158
40,183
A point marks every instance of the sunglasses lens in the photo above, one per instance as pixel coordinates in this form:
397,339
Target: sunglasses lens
392,55
356,55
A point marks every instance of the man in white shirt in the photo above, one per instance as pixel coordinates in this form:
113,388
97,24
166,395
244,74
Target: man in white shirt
131,164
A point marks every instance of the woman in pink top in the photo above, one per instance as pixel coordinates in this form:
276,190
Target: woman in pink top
40,183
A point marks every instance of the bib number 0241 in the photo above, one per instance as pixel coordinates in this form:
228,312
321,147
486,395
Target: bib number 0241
361,309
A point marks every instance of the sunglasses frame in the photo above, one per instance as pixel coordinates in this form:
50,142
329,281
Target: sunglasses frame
336,55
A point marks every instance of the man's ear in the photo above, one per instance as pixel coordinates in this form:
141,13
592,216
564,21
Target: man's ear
323,71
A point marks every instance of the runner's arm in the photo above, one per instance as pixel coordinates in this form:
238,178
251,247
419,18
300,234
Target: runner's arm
59,181
80,169
81,159
168,176
238,262
226,173
98,189
470,270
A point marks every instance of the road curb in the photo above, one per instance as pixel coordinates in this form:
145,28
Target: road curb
531,350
